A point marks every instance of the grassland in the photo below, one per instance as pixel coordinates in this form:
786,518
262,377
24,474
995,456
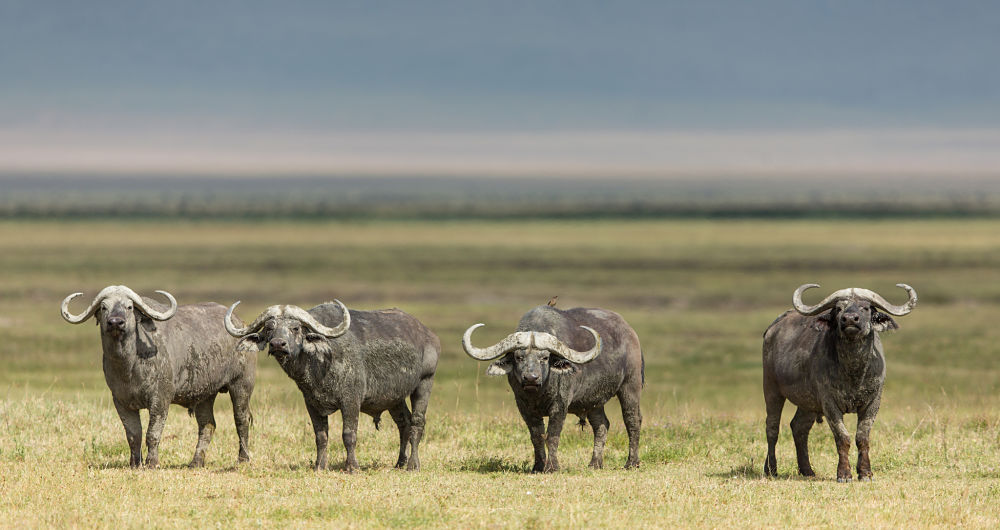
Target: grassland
699,294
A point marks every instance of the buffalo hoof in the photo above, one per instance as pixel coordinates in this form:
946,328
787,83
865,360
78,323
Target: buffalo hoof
844,479
400,464
413,465
196,463
152,463
594,464
865,479
632,464
807,472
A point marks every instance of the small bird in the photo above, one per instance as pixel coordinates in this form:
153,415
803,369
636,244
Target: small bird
552,301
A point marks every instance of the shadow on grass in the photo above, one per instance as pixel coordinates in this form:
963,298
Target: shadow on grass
493,465
754,471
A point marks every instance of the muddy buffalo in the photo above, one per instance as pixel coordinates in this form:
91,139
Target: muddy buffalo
827,359
156,356
354,362
569,361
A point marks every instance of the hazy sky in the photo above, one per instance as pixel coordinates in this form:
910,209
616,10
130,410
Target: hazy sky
652,87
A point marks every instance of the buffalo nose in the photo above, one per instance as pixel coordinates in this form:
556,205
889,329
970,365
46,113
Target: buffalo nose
116,322
530,378
279,344
850,319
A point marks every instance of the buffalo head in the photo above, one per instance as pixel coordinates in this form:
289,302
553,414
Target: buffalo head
287,331
530,356
117,310
855,313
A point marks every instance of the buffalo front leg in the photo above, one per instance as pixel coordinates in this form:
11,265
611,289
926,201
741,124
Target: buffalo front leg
536,429
801,423
599,422
133,432
843,441
204,413
556,420
866,419
774,403
321,428
350,437
419,399
157,419
402,417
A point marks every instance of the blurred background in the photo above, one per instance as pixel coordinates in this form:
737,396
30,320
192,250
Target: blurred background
685,164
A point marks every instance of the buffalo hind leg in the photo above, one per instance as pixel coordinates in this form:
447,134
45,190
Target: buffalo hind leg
599,422
133,432
204,413
242,417
401,416
774,402
801,423
419,400
628,396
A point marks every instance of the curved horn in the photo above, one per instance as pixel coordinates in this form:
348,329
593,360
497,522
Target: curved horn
76,319
883,304
119,290
270,312
309,320
820,307
549,342
519,339
149,311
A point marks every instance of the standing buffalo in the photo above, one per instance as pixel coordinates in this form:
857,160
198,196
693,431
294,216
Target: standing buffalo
571,361
155,357
368,361
827,360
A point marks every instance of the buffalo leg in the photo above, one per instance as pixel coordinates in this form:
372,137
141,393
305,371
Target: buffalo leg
419,399
240,394
157,419
865,421
801,423
599,422
536,428
774,402
843,440
401,415
321,428
349,435
556,420
133,432
204,413
632,416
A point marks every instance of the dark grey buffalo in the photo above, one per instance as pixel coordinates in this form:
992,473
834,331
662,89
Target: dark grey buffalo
827,360
154,357
354,362
569,361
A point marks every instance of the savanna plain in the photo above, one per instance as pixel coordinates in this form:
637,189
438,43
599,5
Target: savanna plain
699,293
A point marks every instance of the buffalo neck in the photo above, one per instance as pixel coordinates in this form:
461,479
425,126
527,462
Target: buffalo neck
855,355
120,351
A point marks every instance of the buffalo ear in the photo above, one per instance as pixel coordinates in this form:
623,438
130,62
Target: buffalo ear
822,322
561,366
145,343
250,344
501,367
883,322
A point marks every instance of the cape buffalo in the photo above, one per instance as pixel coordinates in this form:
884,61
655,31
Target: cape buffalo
155,357
354,362
827,360
569,361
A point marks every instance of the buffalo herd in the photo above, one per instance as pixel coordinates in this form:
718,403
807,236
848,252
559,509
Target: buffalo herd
826,358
